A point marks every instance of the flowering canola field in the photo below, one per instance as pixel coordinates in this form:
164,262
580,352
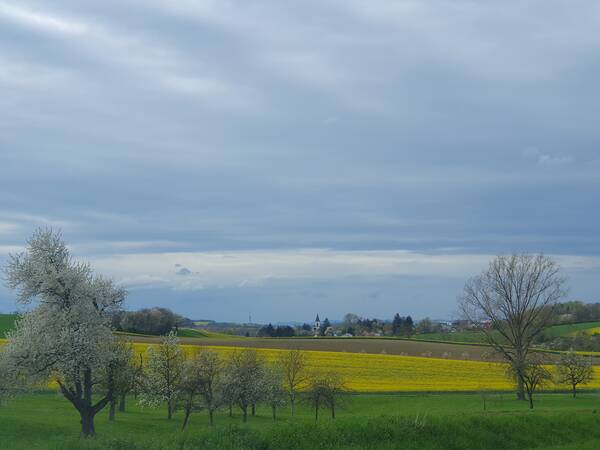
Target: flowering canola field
365,372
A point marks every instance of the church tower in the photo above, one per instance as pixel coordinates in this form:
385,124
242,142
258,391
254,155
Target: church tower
317,327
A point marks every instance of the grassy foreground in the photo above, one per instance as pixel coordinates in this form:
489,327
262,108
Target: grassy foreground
448,421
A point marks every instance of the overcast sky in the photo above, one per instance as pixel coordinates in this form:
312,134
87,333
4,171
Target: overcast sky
286,158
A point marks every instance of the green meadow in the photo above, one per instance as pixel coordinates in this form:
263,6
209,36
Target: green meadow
445,421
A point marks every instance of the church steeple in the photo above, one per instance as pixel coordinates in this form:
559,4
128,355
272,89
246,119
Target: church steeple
317,327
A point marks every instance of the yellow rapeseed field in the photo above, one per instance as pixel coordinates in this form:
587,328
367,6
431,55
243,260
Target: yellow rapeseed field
365,372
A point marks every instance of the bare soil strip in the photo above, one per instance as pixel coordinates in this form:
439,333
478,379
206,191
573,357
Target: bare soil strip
351,345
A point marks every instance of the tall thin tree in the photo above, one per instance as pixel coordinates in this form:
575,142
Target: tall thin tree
512,302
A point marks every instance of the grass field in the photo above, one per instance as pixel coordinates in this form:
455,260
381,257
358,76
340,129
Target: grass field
450,421
7,323
569,329
477,337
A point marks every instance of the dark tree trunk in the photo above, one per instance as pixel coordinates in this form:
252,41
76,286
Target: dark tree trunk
574,390
111,410
274,412
211,418
530,395
245,413
253,409
80,396
292,404
332,409
87,424
186,418
169,410
520,388
122,403
317,410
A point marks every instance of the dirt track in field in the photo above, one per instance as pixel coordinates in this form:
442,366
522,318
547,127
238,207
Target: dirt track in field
351,345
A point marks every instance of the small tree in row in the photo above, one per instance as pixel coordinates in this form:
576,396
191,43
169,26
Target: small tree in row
163,374
571,369
200,385
293,368
324,390
574,370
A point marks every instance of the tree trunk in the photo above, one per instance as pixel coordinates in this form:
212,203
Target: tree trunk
245,414
87,423
332,410
211,419
574,390
520,388
169,410
316,410
253,409
186,418
122,403
86,411
530,401
292,404
274,412
80,396
111,410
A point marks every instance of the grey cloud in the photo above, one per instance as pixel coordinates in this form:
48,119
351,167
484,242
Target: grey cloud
183,271
145,127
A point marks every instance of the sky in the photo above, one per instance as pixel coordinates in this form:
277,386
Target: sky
281,159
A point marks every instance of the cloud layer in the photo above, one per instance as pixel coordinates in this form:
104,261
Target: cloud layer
416,129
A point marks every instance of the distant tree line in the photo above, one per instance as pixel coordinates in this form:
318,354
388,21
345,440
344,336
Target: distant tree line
278,331
576,311
154,321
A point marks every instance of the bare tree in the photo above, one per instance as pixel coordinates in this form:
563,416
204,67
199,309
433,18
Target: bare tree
534,375
67,336
118,373
325,389
242,381
189,389
512,302
273,392
210,368
292,364
130,380
163,372
574,370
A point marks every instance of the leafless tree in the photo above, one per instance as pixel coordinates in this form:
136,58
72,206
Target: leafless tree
189,391
512,302
325,389
210,369
292,364
242,380
574,370
533,373
130,380
118,372
273,392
